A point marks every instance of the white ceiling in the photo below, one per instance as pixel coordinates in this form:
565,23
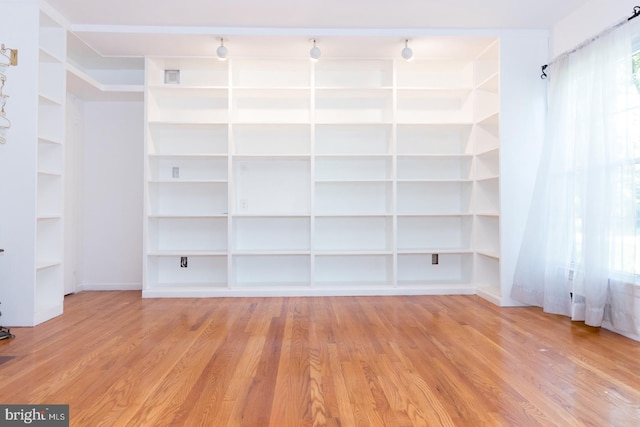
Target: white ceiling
320,13
190,27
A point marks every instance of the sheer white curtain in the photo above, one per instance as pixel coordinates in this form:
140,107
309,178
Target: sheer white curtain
579,255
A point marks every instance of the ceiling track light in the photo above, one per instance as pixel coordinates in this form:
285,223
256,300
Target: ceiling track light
222,51
407,53
314,53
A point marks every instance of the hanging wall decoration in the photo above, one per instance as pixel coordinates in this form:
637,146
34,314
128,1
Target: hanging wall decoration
8,57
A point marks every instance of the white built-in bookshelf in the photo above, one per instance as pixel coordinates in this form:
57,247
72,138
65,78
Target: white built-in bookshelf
486,139
49,288
345,176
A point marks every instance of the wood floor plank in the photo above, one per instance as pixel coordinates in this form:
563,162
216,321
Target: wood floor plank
258,401
318,367
345,410
120,360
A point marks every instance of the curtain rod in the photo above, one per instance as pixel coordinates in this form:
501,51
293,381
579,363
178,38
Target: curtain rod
636,13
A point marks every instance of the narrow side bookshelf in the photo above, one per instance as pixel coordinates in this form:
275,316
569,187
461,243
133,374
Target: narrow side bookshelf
49,279
487,174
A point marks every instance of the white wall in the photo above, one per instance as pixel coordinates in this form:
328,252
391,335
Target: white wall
587,21
18,165
73,220
112,195
523,107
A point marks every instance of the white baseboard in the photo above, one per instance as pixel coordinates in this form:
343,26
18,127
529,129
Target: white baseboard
110,287
196,292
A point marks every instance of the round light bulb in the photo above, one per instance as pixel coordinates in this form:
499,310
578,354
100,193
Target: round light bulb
315,53
222,53
407,53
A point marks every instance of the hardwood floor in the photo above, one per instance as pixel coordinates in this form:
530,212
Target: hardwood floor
120,360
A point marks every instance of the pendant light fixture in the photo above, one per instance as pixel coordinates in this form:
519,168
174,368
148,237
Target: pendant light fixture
407,53
314,53
222,51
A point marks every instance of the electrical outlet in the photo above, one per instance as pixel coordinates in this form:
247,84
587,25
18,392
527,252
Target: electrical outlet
183,262
175,172
244,204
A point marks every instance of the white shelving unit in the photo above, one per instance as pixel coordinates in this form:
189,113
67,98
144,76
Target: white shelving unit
285,177
49,286
271,176
187,175
434,175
